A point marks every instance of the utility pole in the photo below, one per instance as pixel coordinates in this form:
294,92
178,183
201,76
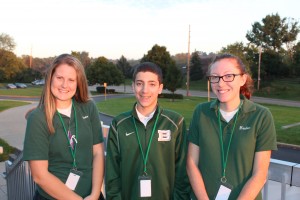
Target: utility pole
258,73
188,67
30,58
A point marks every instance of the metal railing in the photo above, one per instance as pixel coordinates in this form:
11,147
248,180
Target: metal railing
286,173
20,185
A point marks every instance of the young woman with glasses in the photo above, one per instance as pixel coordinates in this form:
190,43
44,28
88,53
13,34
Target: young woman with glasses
230,138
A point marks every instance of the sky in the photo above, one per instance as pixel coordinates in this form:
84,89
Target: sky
112,28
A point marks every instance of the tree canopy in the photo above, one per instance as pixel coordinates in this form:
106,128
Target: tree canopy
10,65
83,57
196,72
6,42
273,32
238,49
102,71
125,67
160,56
173,79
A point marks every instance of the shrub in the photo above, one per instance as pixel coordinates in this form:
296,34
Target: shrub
101,90
7,150
170,96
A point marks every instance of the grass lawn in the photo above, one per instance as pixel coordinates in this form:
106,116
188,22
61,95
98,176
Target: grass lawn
30,91
282,115
7,149
4,105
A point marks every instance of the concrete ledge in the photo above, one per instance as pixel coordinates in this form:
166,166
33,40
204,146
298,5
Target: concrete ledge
296,176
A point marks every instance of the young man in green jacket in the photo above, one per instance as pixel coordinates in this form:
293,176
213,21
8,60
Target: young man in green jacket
146,147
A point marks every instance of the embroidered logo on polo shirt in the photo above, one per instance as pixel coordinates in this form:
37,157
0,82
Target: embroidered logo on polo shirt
84,117
127,134
243,128
164,135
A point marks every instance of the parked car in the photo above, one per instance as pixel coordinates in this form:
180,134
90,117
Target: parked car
34,82
38,82
11,86
21,85
41,82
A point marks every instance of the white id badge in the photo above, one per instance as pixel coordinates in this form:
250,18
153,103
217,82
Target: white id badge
145,186
73,179
223,193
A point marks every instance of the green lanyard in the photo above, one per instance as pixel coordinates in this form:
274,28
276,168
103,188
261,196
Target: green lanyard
145,158
73,151
225,158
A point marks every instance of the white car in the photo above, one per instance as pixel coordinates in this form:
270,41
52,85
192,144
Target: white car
11,86
38,82
21,85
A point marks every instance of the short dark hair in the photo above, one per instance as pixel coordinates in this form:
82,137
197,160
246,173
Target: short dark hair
148,67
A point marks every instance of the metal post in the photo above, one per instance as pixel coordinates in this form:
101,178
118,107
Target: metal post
259,60
188,68
283,186
266,187
208,91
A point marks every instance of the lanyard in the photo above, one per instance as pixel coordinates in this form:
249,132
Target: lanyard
70,139
145,158
225,158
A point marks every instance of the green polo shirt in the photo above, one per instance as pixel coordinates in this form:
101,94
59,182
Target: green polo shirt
254,132
39,144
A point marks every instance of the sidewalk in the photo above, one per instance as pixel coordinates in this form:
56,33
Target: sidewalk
12,130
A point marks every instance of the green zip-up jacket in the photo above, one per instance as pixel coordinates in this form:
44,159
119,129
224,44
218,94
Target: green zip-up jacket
166,161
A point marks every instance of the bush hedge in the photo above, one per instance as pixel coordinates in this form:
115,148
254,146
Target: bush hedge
101,90
170,96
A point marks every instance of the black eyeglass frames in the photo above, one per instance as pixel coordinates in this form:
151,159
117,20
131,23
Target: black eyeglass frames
226,78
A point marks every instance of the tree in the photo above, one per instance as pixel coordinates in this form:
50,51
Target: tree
180,59
125,67
103,71
296,60
238,49
160,56
173,79
196,72
28,75
83,57
272,65
10,65
273,32
38,64
6,42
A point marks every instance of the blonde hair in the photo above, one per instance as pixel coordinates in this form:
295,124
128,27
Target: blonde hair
47,101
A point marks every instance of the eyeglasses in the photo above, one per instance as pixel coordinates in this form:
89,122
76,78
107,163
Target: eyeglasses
226,78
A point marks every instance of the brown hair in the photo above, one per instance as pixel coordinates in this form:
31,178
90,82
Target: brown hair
47,101
247,88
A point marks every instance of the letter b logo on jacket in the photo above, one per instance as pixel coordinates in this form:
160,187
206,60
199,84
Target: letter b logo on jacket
164,135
